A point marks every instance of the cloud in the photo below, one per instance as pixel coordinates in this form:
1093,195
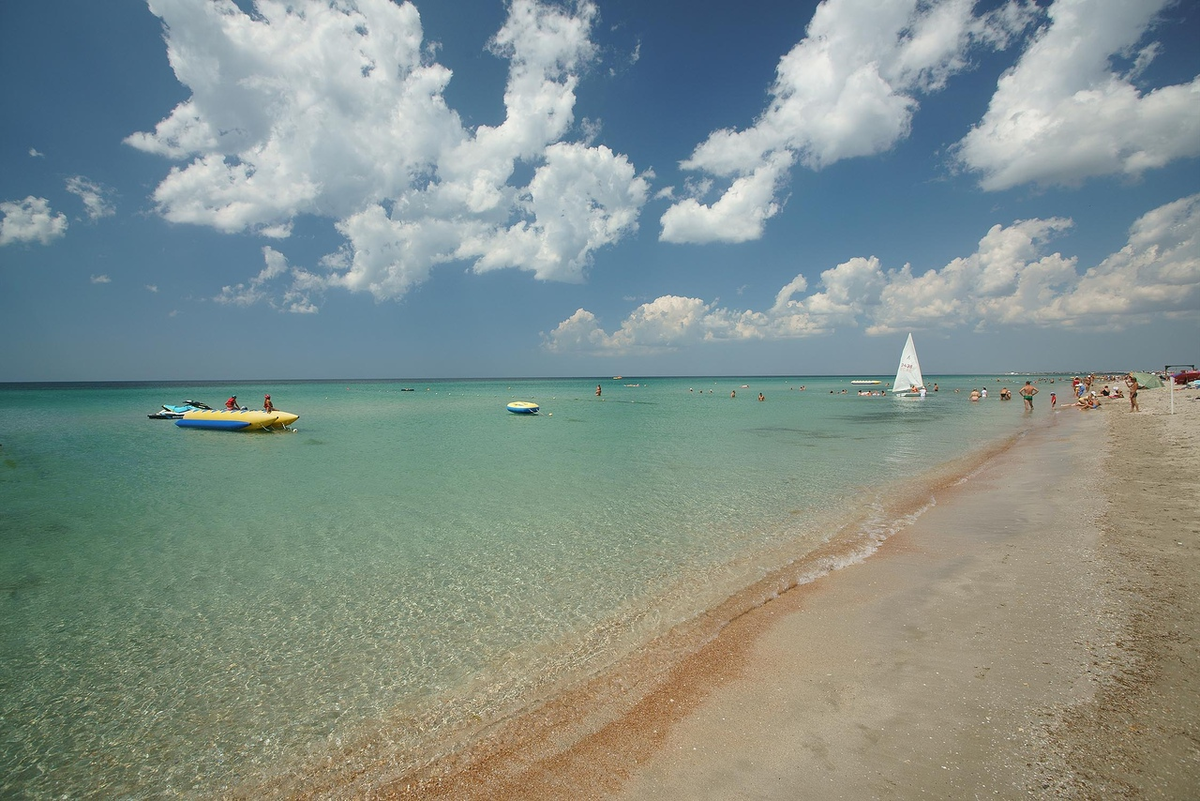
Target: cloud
30,220
337,110
660,325
740,215
94,197
36,154
1005,281
101,279
1157,272
260,288
1009,280
1063,115
848,89
581,199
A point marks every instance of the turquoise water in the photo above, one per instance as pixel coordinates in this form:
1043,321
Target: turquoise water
187,611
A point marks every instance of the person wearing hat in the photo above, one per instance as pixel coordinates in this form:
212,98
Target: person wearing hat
267,405
232,403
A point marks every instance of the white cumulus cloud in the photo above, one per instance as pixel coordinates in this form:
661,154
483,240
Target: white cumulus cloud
849,88
1063,114
337,110
30,220
1010,279
1157,272
739,215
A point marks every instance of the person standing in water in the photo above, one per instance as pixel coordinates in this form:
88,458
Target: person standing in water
597,390
1027,393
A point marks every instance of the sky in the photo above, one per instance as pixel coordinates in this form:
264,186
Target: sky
236,190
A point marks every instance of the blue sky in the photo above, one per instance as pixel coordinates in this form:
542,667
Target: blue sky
364,189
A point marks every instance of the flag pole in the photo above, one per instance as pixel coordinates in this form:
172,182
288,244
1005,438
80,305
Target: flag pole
1170,386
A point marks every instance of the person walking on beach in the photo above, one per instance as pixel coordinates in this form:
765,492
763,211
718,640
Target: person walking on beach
1027,392
1132,383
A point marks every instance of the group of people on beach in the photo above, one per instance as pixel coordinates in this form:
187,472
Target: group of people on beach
1086,397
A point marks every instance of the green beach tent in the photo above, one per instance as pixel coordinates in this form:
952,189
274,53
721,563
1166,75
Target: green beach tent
1147,380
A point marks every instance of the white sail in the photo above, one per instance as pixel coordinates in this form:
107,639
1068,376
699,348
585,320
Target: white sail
908,374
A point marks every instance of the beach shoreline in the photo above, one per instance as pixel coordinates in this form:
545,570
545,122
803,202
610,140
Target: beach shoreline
1031,633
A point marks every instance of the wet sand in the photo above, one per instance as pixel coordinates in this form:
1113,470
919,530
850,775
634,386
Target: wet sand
1032,635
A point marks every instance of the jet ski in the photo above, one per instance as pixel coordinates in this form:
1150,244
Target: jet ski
176,412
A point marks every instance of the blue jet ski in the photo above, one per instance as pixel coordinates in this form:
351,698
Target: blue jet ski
175,412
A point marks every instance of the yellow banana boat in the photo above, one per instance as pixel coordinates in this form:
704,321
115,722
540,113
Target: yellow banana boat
237,419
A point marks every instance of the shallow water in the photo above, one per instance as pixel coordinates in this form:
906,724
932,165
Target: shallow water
187,610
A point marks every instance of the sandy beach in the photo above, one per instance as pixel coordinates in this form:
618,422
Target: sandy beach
1031,635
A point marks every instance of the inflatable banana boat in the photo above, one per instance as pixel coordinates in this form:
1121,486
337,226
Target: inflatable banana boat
237,419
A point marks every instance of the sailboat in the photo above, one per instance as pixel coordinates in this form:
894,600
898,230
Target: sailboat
909,381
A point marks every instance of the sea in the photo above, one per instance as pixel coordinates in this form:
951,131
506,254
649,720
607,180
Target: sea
195,613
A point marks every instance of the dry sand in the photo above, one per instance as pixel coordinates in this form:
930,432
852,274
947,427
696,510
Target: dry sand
1032,635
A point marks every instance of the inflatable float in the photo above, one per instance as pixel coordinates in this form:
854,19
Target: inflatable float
237,419
523,407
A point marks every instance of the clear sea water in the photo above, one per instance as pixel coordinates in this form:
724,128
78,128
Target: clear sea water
186,612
